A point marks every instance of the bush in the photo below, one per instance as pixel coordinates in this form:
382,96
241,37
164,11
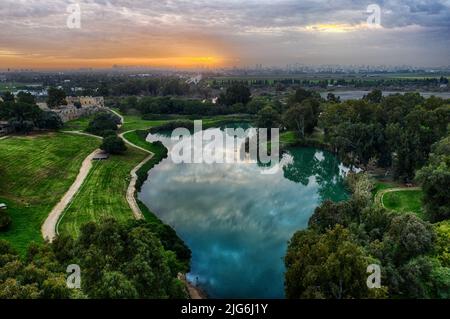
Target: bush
5,220
113,145
107,133
103,122
50,120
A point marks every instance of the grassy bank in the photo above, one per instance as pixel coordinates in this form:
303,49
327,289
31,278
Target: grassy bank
166,234
103,194
35,172
159,153
405,201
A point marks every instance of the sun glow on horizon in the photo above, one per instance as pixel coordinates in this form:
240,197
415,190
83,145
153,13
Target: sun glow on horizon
340,27
13,60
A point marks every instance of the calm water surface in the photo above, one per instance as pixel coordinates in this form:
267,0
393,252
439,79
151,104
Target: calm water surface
237,221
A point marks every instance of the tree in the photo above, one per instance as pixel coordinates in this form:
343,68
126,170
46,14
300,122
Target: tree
435,180
37,275
122,260
8,97
5,220
300,118
113,145
255,105
301,95
268,118
442,246
56,97
333,98
19,113
103,122
114,285
408,237
374,97
25,97
329,214
237,93
330,265
50,120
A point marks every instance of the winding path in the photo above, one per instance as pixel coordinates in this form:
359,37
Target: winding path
122,119
380,195
131,190
48,229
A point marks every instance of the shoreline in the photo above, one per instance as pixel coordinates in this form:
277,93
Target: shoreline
194,292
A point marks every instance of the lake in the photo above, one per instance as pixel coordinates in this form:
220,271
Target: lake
237,221
359,94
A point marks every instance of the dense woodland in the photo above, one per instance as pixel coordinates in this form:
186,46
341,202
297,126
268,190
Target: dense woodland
24,115
118,261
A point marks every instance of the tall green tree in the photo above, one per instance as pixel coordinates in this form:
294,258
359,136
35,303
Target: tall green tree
268,118
435,180
236,93
56,97
330,265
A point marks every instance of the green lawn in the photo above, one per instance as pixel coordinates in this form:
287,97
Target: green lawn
405,201
132,122
103,194
136,137
379,186
80,124
35,173
135,122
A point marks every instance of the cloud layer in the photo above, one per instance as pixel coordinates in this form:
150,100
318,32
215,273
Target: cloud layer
276,32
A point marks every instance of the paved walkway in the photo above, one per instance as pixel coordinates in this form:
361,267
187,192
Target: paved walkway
48,229
380,195
131,190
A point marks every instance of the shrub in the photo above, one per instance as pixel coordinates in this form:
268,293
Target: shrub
5,220
50,120
103,122
113,145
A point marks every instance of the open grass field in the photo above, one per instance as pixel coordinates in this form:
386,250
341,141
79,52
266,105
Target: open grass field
135,122
103,194
78,125
132,122
405,202
35,173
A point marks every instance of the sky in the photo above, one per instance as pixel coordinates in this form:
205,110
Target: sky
44,34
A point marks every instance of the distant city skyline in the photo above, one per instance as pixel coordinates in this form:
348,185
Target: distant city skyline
219,34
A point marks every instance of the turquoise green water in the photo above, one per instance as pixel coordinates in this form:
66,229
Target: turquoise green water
237,221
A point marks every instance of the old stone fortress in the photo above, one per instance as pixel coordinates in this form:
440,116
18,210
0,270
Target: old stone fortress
77,106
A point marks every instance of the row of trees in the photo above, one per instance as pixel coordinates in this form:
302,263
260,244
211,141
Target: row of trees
146,87
330,258
236,99
24,115
116,261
